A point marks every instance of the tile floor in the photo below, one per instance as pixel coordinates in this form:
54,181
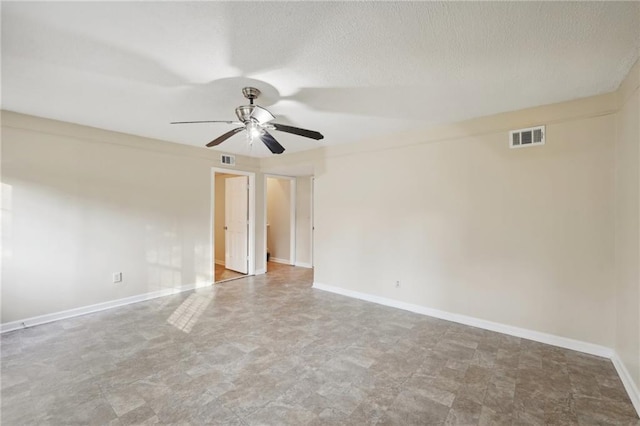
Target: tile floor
223,274
271,350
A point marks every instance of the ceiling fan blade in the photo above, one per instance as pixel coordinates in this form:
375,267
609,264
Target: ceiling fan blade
215,121
224,137
271,143
298,131
261,115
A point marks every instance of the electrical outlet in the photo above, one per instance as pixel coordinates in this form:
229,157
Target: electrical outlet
397,284
117,277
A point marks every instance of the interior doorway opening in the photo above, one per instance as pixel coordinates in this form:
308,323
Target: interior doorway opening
297,191
280,228
232,224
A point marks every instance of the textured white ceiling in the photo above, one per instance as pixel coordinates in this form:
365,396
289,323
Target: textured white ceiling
349,70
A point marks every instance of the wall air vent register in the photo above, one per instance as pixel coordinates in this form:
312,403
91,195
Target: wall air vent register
531,136
229,160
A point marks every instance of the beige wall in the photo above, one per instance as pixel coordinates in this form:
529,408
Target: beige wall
544,238
517,236
627,249
80,203
279,219
261,217
303,221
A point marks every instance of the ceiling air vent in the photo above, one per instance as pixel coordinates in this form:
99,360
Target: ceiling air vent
229,160
526,137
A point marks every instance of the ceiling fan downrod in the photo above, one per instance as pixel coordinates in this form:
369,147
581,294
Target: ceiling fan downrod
253,113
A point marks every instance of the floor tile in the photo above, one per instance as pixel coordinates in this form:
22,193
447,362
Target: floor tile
271,350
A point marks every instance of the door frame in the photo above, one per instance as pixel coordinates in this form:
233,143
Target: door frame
292,214
312,217
251,248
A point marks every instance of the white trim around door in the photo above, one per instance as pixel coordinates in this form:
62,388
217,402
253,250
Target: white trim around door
312,216
252,217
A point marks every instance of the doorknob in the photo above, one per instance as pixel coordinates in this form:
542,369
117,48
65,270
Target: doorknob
225,228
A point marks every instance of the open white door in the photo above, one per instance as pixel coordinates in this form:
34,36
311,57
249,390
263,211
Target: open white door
236,221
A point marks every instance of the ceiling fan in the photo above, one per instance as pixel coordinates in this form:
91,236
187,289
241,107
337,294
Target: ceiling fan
257,122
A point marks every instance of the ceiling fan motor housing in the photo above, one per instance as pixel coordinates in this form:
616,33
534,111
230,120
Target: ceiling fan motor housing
253,113
244,113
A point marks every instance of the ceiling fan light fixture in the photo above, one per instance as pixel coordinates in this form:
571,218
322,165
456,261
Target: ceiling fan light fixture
254,130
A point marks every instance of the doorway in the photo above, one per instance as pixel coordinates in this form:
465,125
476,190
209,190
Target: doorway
232,224
280,220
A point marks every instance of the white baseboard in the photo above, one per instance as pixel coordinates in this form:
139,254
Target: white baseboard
590,348
219,262
550,339
75,312
537,336
628,382
261,271
303,265
283,261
